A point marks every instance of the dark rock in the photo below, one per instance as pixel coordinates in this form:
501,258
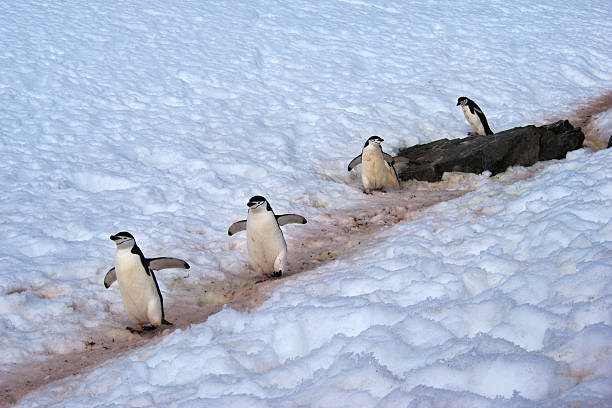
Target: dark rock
558,139
522,146
610,142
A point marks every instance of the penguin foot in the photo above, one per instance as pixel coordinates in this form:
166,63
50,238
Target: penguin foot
135,330
139,329
472,134
367,191
274,275
167,323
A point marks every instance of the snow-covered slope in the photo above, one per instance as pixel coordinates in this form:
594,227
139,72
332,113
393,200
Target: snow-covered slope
164,118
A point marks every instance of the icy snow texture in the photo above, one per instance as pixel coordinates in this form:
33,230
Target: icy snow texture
163,119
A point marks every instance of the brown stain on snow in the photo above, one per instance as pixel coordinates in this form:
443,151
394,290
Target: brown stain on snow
328,236
583,117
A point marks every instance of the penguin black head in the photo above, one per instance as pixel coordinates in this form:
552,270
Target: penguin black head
122,237
463,101
374,140
258,201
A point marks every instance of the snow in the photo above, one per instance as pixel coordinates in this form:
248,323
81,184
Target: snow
599,128
163,119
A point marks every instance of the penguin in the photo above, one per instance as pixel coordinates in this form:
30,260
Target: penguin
378,172
139,290
474,116
265,241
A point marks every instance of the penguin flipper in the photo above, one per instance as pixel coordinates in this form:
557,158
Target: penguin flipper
236,227
290,219
110,277
388,158
392,179
354,162
166,263
474,108
483,120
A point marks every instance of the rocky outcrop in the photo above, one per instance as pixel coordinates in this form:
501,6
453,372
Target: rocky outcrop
521,146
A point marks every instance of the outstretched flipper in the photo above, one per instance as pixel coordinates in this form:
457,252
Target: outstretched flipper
236,227
167,263
357,160
110,277
354,162
290,219
154,263
388,158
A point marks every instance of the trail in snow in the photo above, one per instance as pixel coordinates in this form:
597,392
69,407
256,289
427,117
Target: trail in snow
330,236
333,235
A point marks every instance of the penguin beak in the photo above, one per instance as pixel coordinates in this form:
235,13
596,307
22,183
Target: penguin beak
117,239
254,204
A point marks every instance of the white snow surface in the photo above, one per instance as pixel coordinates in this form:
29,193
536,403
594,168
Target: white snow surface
163,118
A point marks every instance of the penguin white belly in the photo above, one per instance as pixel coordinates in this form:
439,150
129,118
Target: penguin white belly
265,243
473,120
373,172
138,290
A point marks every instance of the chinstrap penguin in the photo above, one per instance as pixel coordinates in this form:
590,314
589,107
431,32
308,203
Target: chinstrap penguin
265,241
377,172
139,290
474,116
